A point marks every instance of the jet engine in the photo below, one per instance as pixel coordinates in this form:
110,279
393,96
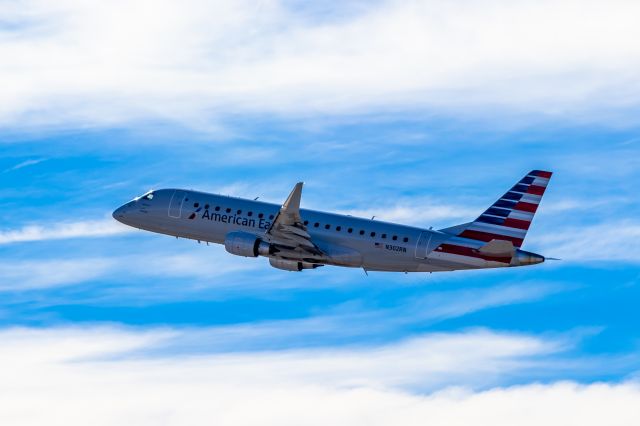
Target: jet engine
246,244
292,265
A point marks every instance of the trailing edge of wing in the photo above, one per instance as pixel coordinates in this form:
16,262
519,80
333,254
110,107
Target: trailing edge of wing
287,228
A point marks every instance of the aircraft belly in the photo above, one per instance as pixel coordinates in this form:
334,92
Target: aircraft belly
382,260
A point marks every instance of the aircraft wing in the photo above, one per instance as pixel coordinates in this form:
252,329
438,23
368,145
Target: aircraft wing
288,230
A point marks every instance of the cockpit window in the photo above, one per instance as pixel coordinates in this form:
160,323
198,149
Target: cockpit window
147,196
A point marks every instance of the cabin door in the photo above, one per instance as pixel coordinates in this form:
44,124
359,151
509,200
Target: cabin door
175,206
422,246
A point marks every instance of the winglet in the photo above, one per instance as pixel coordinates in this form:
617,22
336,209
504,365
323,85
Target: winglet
292,204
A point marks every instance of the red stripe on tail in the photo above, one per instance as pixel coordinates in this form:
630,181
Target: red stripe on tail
487,236
536,190
526,207
516,223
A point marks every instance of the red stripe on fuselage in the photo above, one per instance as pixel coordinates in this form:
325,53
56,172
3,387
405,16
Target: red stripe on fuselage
487,236
469,252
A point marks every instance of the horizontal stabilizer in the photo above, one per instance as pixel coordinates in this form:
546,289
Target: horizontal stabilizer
498,248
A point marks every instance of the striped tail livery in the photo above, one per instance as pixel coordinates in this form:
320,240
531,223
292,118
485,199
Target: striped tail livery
497,234
509,218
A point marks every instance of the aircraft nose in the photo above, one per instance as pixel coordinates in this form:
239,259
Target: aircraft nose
119,214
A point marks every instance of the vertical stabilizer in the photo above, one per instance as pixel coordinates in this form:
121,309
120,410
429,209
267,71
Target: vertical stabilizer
509,218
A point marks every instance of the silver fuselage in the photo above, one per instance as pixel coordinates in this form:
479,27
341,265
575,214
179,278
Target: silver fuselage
379,246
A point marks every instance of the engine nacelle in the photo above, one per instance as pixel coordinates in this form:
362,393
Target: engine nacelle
246,244
292,265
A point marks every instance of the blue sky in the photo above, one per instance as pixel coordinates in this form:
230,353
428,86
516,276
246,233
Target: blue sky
377,118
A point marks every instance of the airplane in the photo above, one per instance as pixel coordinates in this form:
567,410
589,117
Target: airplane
295,239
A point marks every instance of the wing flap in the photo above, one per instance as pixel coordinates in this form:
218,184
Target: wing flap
288,229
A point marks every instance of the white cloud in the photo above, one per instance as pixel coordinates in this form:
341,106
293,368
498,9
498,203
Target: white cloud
25,163
611,241
453,304
38,274
80,376
352,320
80,63
418,212
58,231
19,275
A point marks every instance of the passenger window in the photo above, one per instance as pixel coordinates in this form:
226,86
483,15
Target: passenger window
270,217
327,226
306,222
395,237
217,208
239,212
383,235
196,204
315,225
373,234
228,210
250,214
405,239
338,228
261,215
361,232
350,230
206,206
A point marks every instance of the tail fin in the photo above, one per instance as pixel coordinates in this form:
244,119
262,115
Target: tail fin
508,218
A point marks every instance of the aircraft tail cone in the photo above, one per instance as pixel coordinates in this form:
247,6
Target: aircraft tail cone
522,258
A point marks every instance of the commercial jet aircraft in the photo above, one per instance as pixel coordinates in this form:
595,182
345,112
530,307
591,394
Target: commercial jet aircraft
295,239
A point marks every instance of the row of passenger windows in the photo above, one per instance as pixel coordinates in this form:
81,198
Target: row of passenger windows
361,232
306,222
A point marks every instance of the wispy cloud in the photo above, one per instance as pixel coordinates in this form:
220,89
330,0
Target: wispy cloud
63,230
196,62
21,275
38,274
417,212
617,241
351,321
68,373
25,163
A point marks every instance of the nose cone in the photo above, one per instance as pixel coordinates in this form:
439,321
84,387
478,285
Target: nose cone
522,258
120,214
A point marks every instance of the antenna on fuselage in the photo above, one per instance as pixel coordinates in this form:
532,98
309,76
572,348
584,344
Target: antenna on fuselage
373,217
256,199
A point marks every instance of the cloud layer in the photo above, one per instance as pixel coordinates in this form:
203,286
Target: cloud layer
80,376
78,63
